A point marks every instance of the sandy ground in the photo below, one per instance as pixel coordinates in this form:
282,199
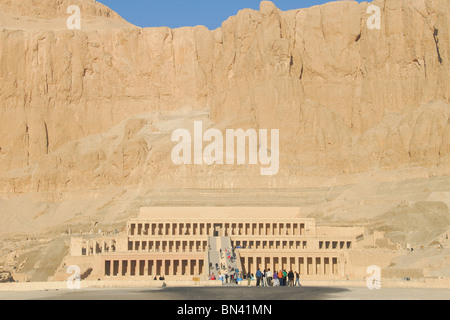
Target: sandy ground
234,293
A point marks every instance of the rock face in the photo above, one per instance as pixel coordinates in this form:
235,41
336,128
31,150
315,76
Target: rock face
54,9
5,277
87,109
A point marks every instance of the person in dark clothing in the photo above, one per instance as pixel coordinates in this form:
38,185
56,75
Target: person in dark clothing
297,279
263,278
291,278
258,277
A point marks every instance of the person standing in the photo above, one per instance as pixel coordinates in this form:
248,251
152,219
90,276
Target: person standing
291,278
297,279
269,277
280,277
285,278
275,279
258,277
263,278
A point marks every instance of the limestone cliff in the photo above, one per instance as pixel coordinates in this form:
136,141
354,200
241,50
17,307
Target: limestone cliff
82,110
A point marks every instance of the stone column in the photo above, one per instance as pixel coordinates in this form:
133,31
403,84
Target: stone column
128,274
151,267
318,266
246,267
172,267
146,268
303,266
120,268
330,265
314,265
197,267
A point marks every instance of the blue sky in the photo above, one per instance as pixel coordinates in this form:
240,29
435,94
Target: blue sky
181,13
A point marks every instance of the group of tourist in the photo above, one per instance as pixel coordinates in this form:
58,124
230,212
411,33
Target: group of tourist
277,279
234,277
229,253
263,278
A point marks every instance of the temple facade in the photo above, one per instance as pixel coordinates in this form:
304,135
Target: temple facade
187,243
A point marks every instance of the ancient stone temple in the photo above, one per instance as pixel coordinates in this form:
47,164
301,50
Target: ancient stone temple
182,243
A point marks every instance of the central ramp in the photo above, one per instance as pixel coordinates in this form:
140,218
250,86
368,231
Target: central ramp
223,259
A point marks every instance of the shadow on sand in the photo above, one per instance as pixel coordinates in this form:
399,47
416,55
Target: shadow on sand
247,293
202,293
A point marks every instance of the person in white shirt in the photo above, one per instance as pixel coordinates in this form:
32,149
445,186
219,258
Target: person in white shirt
269,277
